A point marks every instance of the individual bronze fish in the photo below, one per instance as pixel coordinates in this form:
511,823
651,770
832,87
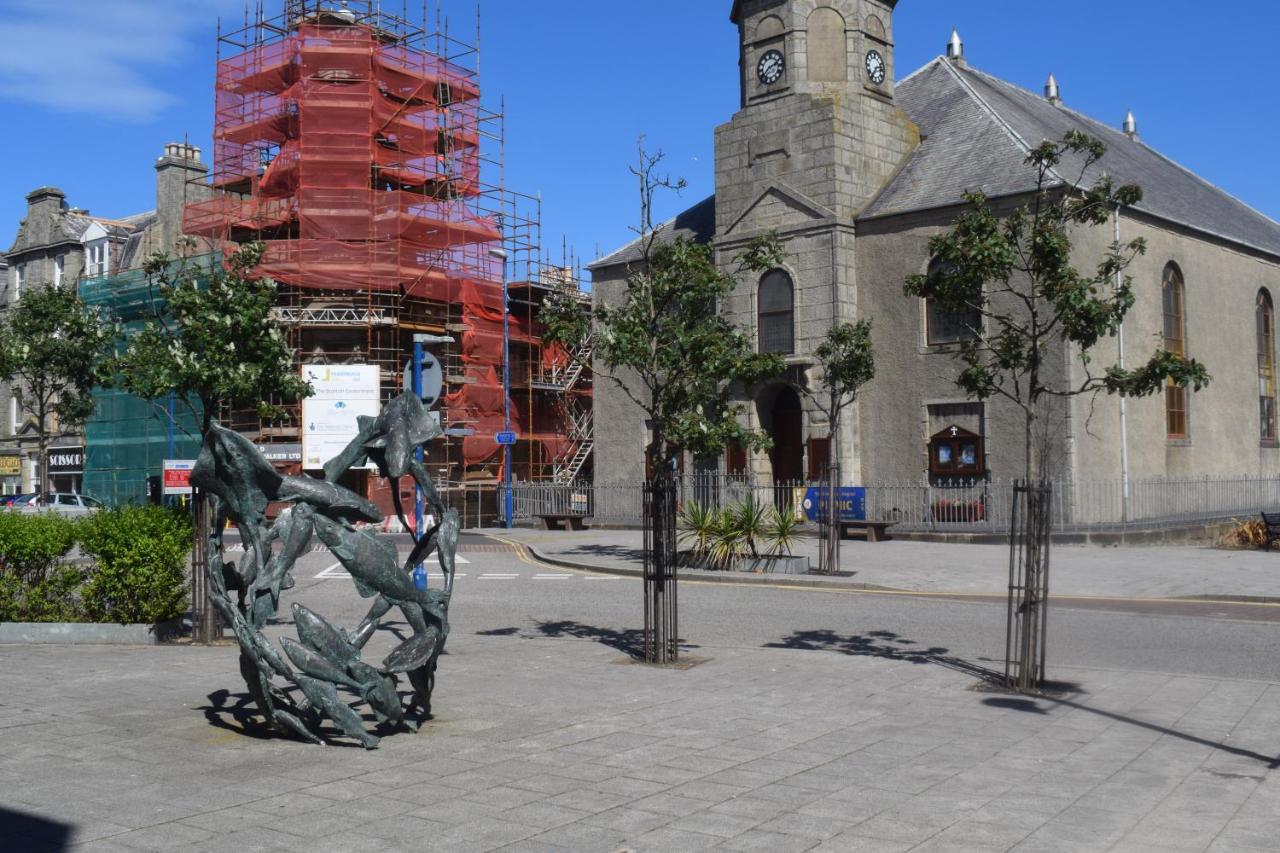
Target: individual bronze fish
329,498
316,666
323,637
373,564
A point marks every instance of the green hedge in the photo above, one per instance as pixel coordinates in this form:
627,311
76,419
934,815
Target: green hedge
131,566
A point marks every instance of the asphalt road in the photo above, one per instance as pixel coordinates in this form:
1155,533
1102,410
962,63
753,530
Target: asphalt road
500,592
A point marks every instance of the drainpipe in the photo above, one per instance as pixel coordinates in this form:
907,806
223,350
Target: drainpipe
1124,407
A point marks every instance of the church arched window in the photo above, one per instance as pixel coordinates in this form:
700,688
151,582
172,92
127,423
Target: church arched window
947,327
828,51
1265,316
1175,341
776,307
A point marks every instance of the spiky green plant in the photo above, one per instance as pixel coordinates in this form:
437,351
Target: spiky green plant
697,527
784,530
726,539
753,523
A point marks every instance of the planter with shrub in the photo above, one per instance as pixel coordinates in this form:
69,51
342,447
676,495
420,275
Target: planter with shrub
130,569
745,537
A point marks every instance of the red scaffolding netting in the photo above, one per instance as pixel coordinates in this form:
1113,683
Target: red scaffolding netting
355,159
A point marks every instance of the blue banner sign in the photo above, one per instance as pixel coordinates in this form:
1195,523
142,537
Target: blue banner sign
505,438
851,502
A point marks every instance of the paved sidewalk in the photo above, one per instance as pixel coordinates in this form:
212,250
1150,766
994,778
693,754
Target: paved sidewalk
560,745
1084,570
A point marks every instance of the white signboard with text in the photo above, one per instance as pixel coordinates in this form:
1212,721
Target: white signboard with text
343,392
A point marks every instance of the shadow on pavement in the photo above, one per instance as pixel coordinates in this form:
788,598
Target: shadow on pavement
887,645
890,646
226,707
618,552
629,641
28,833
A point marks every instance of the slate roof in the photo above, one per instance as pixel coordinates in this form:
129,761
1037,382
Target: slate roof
141,223
978,130
697,223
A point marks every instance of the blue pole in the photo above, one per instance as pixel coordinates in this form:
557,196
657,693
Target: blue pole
507,503
419,572
163,499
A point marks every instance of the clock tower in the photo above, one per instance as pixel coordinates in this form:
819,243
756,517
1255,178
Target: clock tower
816,137
817,111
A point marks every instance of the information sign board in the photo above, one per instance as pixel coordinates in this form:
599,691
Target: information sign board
343,393
851,503
177,476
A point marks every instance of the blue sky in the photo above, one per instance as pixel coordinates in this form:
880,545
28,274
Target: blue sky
91,89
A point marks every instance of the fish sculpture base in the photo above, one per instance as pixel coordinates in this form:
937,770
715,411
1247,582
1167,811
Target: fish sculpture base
304,687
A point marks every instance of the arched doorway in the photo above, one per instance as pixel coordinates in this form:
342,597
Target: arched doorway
786,428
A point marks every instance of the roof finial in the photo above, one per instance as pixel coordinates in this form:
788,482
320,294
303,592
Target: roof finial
1131,126
1052,92
955,47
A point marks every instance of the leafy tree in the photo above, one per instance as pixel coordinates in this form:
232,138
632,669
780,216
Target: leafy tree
666,346
1016,273
848,362
53,348
213,340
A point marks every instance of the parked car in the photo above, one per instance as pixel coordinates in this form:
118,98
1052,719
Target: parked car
63,502
17,500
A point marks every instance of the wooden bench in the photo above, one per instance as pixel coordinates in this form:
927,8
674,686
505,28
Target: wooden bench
1271,520
563,522
872,531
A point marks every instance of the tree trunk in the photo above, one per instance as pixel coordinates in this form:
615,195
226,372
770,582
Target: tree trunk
205,626
832,543
42,463
661,631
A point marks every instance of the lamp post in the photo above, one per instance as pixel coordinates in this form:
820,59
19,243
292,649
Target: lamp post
507,500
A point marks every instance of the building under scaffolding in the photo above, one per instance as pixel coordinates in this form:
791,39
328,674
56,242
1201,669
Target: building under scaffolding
352,144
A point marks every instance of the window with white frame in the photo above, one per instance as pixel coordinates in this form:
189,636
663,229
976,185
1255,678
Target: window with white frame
19,279
99,257
14,410
59,267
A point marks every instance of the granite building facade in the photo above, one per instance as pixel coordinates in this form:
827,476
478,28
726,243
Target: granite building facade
856,171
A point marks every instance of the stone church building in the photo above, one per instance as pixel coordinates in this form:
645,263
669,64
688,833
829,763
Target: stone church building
856,170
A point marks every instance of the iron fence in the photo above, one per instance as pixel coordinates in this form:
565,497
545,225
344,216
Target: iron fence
950,506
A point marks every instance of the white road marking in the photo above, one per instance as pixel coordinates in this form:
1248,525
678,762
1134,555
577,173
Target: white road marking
336,572
552,577
497,577
601,578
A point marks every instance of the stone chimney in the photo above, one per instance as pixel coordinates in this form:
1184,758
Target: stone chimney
44,207
180,180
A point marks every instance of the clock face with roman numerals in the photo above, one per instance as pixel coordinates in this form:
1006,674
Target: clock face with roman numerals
771,66
875,67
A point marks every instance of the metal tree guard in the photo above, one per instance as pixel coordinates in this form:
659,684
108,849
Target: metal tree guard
661,619
1028,616
829,524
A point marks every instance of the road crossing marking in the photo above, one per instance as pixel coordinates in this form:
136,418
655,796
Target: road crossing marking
336,572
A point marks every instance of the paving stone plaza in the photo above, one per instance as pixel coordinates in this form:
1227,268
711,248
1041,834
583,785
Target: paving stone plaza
840,734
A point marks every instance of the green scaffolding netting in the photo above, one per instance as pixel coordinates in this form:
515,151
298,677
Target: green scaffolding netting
127,439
